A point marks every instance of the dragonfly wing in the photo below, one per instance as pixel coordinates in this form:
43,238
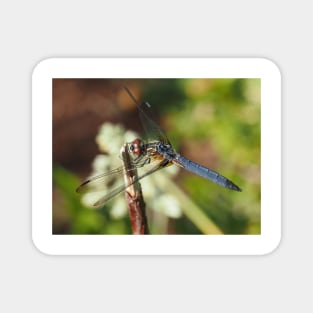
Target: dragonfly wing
97,180
153,131
121,188
206,173
109,176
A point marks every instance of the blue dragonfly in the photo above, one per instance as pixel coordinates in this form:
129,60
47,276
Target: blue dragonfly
154,155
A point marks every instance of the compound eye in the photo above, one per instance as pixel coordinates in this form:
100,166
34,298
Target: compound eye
136,147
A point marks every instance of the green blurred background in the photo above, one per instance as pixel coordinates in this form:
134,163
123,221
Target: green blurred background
214,122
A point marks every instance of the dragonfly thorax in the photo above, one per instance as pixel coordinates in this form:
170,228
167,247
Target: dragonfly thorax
165,150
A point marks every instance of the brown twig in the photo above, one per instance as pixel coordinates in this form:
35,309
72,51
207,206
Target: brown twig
134,197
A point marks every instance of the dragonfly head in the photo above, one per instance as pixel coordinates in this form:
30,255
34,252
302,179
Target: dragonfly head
137,147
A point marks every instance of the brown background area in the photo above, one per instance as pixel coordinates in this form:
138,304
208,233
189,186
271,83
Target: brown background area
80,106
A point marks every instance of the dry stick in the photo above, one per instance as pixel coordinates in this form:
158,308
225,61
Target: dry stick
134,198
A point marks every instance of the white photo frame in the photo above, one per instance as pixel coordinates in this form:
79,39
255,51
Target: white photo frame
263,69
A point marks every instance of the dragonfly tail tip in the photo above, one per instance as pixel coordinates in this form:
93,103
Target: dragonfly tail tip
237,188
232,186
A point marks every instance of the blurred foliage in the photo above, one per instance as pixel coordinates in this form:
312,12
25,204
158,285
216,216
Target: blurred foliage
215,122
78,219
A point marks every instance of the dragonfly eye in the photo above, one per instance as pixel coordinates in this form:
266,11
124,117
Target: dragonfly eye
137,147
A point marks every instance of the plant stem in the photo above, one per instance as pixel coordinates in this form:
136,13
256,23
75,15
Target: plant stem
134,197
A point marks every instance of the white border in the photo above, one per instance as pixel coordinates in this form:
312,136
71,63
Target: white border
264,69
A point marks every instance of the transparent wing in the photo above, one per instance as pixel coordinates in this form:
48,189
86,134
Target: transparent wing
110,176
153,131
98,180
122,187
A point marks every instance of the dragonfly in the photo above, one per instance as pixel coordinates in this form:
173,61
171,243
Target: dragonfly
155,154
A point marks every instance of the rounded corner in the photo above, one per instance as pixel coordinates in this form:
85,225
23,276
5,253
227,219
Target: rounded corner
40,65
39,248
274,246
271,65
